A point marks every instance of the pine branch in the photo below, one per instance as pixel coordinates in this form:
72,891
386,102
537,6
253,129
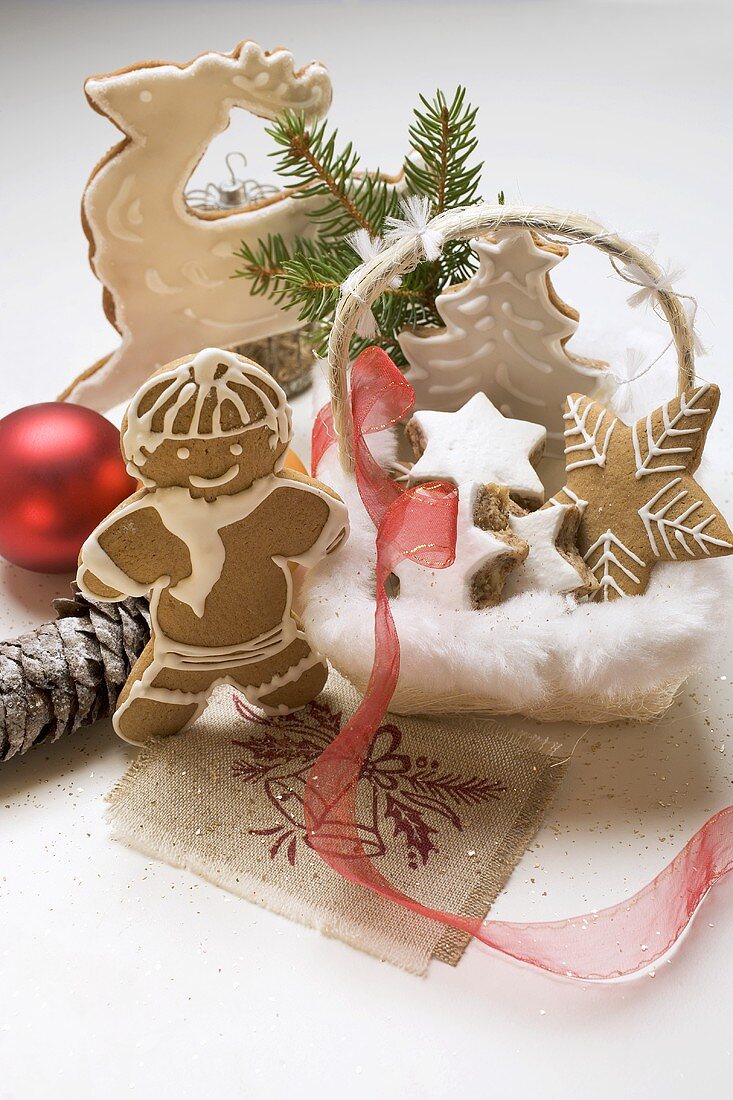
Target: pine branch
309,278
308,275
309,159
443,141
442,138
262,264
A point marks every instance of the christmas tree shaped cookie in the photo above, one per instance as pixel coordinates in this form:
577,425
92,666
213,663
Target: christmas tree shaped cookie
210,538
634,486
505,335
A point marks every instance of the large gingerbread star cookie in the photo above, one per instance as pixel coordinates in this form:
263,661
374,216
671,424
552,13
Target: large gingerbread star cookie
634,486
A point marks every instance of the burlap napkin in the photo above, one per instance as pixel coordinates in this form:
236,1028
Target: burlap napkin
446,808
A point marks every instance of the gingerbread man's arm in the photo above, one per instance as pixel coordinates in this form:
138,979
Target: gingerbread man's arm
129,551
312,519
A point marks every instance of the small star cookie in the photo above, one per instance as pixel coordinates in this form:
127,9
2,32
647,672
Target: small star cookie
553,563
633,483
484,558
477,445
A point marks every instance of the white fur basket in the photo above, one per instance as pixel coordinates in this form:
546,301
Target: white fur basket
537,654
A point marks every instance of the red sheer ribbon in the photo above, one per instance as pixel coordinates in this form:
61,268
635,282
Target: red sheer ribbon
420,524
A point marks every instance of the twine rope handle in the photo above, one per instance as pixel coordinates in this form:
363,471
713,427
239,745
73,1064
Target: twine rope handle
374,276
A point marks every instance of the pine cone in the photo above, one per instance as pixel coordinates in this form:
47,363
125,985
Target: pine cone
68,673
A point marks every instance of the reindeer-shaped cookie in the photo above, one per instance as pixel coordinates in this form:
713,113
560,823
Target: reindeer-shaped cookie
210,536
166,268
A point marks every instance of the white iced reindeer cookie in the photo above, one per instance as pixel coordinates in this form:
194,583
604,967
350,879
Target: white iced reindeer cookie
165,265
210,537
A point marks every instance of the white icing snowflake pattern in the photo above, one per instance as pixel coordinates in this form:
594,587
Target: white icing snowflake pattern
658,523
640,501
674,429
609,547
593,442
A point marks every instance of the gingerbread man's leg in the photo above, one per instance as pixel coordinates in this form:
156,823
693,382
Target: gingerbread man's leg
155,703
285,682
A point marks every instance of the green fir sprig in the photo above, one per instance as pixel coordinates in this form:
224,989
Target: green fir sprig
307,273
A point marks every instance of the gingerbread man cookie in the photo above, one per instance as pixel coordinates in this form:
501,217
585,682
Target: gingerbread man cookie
210,537
634,486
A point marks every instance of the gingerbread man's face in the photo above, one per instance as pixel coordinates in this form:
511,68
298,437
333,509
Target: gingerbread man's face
213,466
212,423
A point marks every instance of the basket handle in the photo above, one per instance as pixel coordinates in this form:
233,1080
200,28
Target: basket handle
403,256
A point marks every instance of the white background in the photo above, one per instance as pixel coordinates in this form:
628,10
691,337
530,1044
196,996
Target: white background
119,975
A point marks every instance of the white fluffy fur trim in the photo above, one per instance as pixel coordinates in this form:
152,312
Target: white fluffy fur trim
517,654
520,654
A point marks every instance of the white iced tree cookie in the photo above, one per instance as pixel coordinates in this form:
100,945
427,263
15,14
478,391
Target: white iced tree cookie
165,267
505,335
477,444
484,559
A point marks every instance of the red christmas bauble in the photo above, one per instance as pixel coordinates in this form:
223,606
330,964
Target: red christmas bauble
61,472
